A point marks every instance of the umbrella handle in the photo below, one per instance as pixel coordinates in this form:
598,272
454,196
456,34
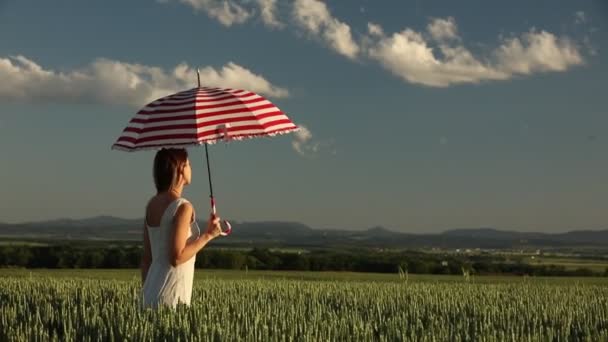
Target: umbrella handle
225,231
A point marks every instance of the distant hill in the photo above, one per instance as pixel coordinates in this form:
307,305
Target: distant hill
99,227
276,233
580,237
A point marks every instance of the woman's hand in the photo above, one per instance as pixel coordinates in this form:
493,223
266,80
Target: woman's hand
213,226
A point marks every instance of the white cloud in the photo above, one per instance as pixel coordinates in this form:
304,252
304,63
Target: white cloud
268,11
301,138
375,29
443,29
314,17
227,12
233,12
436,57
409,56
304,145
113,82
236,76
537,51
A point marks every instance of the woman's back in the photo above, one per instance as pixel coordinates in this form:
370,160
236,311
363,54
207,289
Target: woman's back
167,284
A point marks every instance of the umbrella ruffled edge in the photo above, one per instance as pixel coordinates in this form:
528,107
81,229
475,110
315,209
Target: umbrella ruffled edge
119,147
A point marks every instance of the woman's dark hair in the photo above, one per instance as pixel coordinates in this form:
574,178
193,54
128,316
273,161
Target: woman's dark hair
167,163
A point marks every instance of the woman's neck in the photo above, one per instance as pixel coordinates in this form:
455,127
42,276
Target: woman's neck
177,191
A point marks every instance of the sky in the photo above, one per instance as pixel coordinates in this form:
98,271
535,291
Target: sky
418,116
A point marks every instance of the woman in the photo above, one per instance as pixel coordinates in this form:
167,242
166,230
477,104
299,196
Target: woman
171,235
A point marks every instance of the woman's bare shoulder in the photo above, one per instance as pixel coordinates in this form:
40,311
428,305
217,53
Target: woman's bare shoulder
153,202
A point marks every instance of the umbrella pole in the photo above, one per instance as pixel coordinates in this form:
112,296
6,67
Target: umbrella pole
210,184
198,79
228,229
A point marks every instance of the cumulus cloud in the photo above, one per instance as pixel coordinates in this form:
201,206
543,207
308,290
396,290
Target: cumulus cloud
408,55
236,76
443,29
234,12
314,17
436,56
113,82
227,12
301,138
375,29
537,51
268,12
304,145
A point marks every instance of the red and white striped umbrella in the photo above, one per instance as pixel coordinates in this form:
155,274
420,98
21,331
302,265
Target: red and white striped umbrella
203,115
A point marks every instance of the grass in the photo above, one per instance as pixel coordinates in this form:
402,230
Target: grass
100,305
22,243
571,263
129,274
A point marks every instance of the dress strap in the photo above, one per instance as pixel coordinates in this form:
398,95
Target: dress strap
175,205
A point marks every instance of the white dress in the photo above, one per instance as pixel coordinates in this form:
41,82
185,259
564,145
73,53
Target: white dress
165,284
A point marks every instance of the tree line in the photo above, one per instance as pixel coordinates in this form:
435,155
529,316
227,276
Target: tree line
129,256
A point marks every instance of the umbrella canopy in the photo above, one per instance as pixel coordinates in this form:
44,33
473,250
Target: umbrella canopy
202,115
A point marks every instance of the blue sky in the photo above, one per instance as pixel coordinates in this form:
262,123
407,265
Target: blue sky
419,116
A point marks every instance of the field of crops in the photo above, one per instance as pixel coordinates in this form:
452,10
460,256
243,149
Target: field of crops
40,306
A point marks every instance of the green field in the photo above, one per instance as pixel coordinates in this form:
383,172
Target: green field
132,274
598,265
100,305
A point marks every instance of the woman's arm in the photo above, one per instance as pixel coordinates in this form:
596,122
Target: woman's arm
146,258
182,250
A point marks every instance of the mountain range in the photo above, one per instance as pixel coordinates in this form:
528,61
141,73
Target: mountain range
274,233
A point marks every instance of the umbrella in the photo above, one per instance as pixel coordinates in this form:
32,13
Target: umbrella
203,116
